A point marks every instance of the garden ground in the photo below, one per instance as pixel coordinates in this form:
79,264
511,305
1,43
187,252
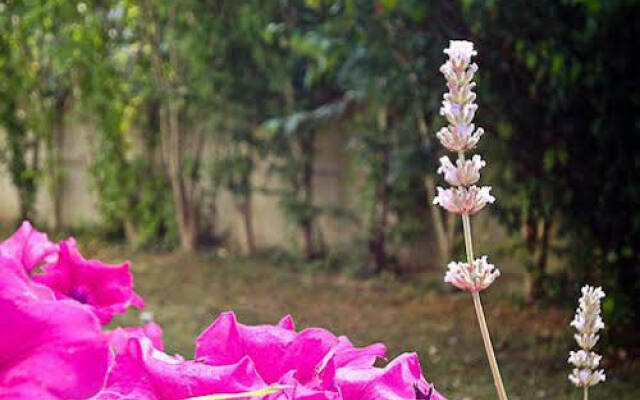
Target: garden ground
186,292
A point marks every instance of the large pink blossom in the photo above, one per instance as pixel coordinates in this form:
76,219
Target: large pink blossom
276,350
107,289
140,371
313,363
28,247
51,348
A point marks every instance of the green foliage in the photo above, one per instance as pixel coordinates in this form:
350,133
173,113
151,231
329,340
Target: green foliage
393,56
49,50
565,109
259,81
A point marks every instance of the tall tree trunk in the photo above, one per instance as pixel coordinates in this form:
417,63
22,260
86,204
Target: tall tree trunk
541,256
304,182
307,222
247,217
185,205
443,225
537,235
57,164
184,189
308,239
377,242
29,188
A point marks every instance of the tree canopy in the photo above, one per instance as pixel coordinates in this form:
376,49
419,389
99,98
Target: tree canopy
257,81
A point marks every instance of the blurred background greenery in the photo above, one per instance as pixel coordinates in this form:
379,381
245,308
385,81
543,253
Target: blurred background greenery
305,130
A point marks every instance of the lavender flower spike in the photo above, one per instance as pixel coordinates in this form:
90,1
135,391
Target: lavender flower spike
587,322
464,198
458,103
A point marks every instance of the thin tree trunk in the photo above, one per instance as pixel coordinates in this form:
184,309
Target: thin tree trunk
541,256
184,190
307,225
443,232
379,240
443,226
247,217
29,188
377,243
529,232
308,239
57,167
304,150
537,234
185,207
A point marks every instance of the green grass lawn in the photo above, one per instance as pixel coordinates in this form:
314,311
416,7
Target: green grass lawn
185,293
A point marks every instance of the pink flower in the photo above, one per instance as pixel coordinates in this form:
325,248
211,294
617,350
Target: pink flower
463,200
400,379
464,173
141,372
29,247
49,349
274,350
52,348
107,289
472,277
314,363
277,351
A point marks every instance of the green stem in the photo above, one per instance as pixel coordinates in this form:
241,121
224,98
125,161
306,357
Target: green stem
482,322
586,393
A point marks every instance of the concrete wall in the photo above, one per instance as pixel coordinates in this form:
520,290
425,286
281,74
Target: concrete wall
337,182
333,186
78,201
271,226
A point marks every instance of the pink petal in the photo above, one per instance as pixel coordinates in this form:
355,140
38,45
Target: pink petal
349,356
226,342
287,323
144,373
119,337
274,350
26,392
108,289
53,345
309,356
294,390
28,246
397,380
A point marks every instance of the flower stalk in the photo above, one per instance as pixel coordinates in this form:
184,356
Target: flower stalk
464,198
482,322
